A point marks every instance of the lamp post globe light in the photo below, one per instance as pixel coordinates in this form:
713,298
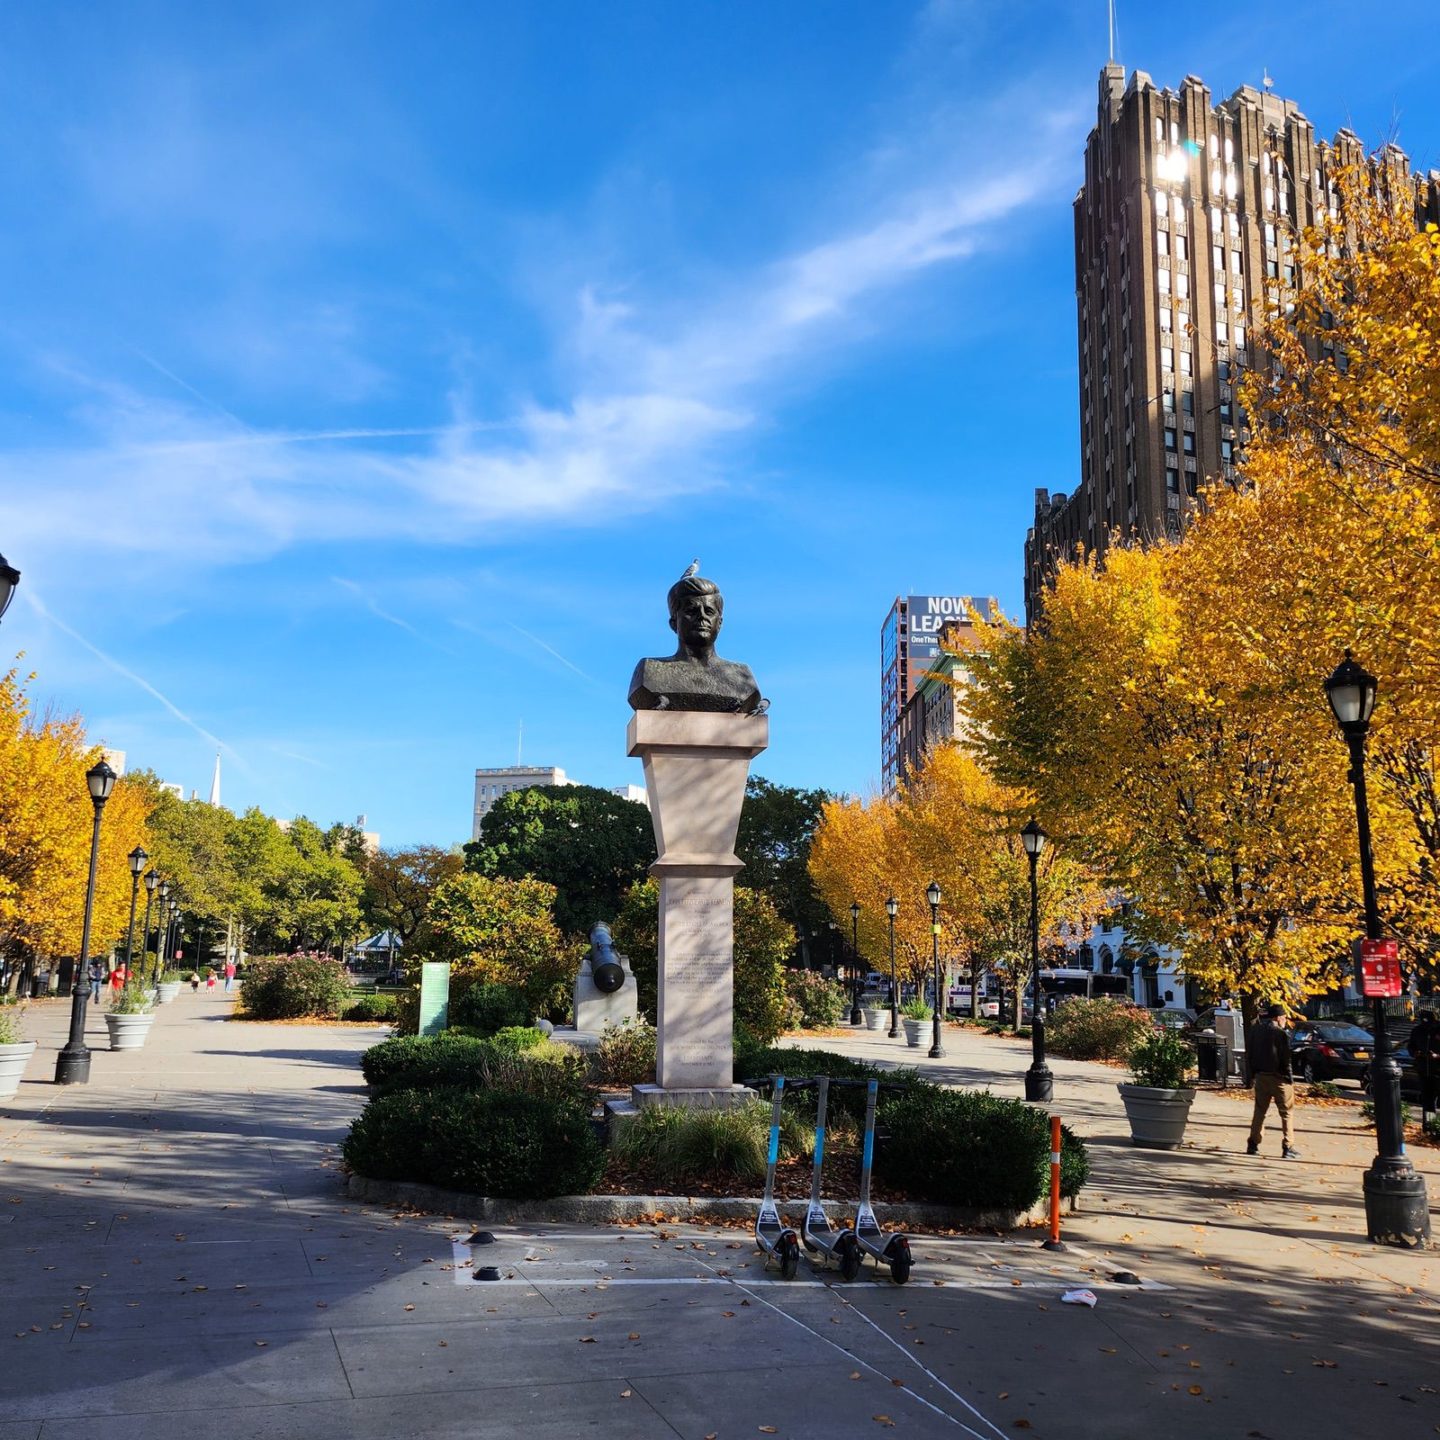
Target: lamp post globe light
1397,1211
856,1018
1039,1083
72,1065
151,881
892,909
9,579
932,894
137,858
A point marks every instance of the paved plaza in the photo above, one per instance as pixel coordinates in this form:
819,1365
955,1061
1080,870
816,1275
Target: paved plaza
177,1259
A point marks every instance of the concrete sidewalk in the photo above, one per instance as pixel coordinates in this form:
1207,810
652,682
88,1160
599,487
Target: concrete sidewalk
175,1259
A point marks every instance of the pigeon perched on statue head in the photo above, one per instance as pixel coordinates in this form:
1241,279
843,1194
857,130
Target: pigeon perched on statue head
693,570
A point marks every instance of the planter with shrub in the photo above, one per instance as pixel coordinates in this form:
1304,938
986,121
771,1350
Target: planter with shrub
1159,1097
129,1018
487,1142
15,1050
915,1016
169,986
872,1012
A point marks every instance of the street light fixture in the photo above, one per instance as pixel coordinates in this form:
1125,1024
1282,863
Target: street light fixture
151,881
892,909
137,858
1396,1208
932,894
9,579
1039,1083
72,1065
856,1018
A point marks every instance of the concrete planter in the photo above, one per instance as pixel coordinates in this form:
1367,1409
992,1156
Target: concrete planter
167,990
872,1017
914,1031
13,1059
128,1032
1157,1117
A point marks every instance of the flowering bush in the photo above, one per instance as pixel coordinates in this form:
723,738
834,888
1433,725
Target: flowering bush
1097,1029
286,987
812,1002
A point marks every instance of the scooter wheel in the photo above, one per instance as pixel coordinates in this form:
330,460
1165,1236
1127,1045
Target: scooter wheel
900,1261
850,1258
789,1257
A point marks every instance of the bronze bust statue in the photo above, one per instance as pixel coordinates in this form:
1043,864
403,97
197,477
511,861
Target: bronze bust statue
695,677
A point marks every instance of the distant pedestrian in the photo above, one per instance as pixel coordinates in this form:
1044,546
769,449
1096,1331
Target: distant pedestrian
229,975
118,976
194,982
97,979
1268,1049
209,979
1424,1047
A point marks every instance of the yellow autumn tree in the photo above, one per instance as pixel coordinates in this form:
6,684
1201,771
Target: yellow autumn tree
45,829
1162,749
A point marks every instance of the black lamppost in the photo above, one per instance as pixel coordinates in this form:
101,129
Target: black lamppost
9,579
1039,1083
932,894
856,1018
72,1065
892,909
137,858
1397,1211
151,881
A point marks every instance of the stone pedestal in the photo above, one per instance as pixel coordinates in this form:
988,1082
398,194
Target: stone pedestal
696,763
594,1009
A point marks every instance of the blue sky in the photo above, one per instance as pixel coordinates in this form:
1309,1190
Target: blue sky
369,371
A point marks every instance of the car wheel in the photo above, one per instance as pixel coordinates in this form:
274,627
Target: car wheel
1307,1071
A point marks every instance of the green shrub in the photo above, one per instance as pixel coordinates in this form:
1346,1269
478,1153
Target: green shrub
487,1008
287,987
1430,1127
1162,1060
487,1142
683,1145
969,1147
916,1009
1367,1110
1096,1029
1323,1090
518,1037
626,1053
812,1002
132,999
449,1060
12,1031
371,1007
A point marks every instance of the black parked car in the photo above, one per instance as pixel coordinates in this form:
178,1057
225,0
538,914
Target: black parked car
1409,1078
1331,1050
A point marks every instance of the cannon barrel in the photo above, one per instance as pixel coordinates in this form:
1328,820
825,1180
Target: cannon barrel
605,967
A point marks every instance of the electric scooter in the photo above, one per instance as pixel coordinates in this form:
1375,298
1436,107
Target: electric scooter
773,1238
817,1233
885,1249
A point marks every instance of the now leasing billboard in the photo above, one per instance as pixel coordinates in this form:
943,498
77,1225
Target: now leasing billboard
927,616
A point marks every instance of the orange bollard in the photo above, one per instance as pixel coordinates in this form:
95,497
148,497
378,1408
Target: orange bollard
1054,1242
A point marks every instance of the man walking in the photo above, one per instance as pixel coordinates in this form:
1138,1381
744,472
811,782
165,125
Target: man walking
97,979
1268,1048
1424,1047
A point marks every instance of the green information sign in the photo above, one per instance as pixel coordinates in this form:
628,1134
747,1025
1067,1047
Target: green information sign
434,996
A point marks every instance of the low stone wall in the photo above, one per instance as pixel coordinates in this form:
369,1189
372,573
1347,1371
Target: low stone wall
619,1209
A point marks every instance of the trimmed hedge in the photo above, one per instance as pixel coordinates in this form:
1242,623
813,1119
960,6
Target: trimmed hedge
969,1147
489,1007
518,1038
487,1142
448,1060
289,987
371,1007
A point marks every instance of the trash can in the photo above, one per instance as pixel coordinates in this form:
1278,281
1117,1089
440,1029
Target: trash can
1212,1057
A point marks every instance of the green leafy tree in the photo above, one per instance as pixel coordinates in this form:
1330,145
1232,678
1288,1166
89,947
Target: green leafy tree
399,886
590,845
499,931
777,825
316,900
763,940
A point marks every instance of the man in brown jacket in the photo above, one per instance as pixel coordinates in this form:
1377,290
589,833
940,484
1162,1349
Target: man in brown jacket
1268,1050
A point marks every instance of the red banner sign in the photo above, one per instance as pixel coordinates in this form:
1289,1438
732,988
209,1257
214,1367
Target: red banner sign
1380,969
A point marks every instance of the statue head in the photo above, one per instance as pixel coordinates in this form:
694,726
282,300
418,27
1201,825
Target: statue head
697,611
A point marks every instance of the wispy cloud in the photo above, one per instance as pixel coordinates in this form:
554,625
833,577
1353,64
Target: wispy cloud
551,650
35,602
364,597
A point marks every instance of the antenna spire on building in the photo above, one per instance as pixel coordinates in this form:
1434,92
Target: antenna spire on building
215,782
1112,32
1266,81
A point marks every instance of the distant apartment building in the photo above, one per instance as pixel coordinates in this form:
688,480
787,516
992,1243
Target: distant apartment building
931,715
909,648
1185,230
637,793
491,784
